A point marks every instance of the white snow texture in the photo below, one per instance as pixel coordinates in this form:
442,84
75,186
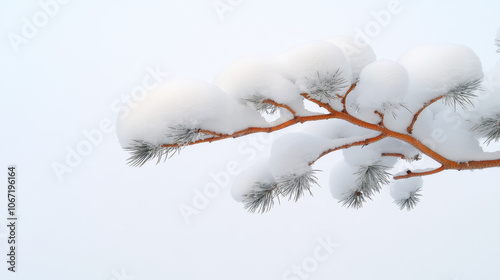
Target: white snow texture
396,87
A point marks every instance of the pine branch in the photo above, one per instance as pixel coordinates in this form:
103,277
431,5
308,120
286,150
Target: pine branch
183,136
296,185
251,130
489,128
142,151
353,199
463,94
257,102
410,202
326,88
371,178
261,198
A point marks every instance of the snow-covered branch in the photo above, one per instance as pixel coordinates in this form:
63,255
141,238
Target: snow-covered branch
356,90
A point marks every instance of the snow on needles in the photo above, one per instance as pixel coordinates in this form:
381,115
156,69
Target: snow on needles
235,102
382,82
317,65
182,112
403,189
245,182
189,104
435,70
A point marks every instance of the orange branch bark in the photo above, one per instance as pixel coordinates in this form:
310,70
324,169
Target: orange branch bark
251,130
319,103
358,143
384,132
415,117
401,156
343,100
410,174
272,102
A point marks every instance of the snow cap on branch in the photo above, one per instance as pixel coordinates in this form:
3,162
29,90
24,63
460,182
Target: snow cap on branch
317,66
358,53
245,182
360,155
292,153
183,105
256,78
381,83
341,180
406,192
436,131
435,70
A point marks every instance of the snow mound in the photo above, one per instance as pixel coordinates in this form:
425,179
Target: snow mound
292,153
436,69
342,178
244,183
311,63
358,53
402,189
187,104
257,76
381,82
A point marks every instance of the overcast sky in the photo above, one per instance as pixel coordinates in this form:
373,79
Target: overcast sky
66,67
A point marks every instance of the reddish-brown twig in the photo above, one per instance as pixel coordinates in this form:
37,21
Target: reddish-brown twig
358,143
272,102
410,174
415,117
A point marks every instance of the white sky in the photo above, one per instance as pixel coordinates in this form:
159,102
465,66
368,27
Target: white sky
105,217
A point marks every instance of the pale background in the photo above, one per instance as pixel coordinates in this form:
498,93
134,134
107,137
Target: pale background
106,220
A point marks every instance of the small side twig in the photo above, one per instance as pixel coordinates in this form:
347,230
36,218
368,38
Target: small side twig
415,117
410,173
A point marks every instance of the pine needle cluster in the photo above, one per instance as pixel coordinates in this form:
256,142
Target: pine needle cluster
326,87
410,202
370,180
142,151
262,196
489,127
463,93
257,102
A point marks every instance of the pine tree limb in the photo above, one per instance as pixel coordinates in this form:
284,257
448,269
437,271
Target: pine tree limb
385,132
